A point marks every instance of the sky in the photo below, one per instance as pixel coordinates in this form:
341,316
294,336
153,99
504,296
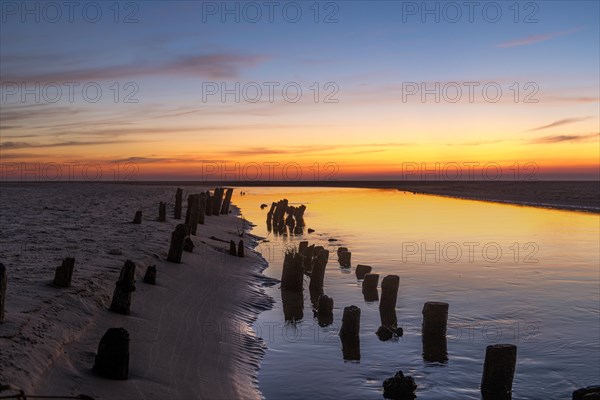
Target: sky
305,90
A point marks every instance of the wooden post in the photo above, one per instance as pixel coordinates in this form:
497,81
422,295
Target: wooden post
340,250
178,200
344,259
150,276
240,252
369,287
162,212
389,291
324,310
270,216
399,387
293,305
209,202
2,290
232,248
64,273
362,270
498,370
435,321
121,300
350,333
303,245
201,208
191,214
587,393
112,360
188,245
227,201
317,275
217,200
138,218
177,241
292,274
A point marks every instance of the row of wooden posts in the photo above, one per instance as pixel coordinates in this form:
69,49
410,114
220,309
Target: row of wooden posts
500,359
278,222
112,359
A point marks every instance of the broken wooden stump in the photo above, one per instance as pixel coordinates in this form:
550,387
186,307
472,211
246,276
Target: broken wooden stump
209,202
369,287
178,200
232,248
389,291
121,300
188,245
3,278
112,359
303,245
587,393
150,275
201,208
177,242
292,274
240,252
227,201
340,250
217,200
399,387
308,259
191,214
362,270
317,275
350,333
162,212
293,305
344,259
324,310
64,273
137,219
435,321
498,370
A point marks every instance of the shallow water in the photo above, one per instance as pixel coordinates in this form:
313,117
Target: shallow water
511,274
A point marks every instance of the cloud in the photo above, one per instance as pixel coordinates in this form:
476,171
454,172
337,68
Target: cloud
29,145
559,123
214,66
565,139
536,38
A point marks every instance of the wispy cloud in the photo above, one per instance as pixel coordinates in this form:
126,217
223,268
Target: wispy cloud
31,145
559,123
536,38
565,139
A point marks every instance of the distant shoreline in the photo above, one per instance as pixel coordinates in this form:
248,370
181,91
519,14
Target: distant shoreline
581,196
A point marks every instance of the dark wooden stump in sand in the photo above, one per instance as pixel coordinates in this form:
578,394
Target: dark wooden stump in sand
270,216
498,370
227,201
344,259
350,333
178,200
389,291
362,270
162,212
587,393
209,202
292,274
399,387
369,287
191,214
293,305
435,321
177,242
340,250
2,290
112,360
232,248
324,310
240,252
317,275
150,275
217,200
303,245
64,273
188,245
201,208
121,300
137,219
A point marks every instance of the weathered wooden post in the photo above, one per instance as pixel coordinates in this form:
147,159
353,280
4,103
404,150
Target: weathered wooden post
435,321
303,245
299,215
308,258
498,370
121,300
369,287
293,305
324,310
389,324
362,270
289,221
340,250
217,200
137,219
227,201
112,360
292,274
232,248
317,275
399,387
2,290
150,275
177,242
270,216
209,202
350,333
191,214
344,259
201,207
587,393
178,200
162,212
64,273
188,245
240,252
389,291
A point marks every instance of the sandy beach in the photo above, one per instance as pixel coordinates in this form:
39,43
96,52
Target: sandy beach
190,334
